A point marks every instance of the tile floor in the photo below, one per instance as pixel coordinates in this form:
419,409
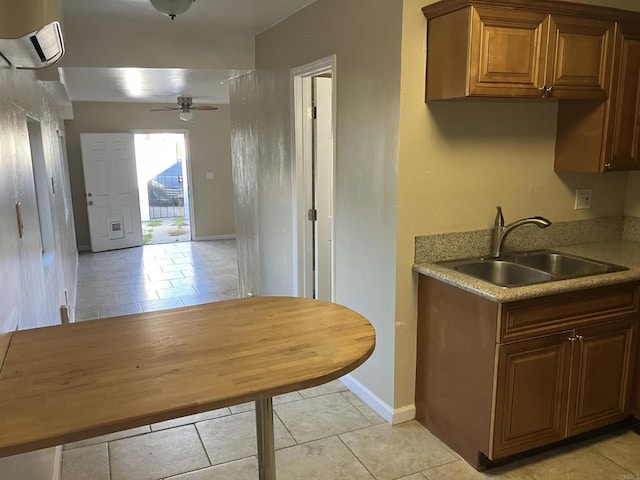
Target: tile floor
155,277
322,433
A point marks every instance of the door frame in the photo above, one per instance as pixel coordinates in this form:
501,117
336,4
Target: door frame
302,148
185,132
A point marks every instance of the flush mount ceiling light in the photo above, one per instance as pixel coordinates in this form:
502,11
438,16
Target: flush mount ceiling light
172,7
186,116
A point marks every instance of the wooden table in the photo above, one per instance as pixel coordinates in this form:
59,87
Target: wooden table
70,382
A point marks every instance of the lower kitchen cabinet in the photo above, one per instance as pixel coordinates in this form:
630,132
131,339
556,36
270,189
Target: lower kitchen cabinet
602,383
636,404
558,386
494,380
531,394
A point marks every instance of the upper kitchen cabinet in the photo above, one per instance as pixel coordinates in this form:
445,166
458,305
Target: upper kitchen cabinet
515,48
605,136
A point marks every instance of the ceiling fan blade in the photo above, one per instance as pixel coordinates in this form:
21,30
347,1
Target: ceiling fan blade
203,107
164,109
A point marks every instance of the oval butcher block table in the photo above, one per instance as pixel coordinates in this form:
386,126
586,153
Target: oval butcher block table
66,383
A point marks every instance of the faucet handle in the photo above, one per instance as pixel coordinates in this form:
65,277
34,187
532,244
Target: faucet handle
499,221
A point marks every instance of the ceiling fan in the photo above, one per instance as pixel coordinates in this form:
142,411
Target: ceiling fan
185,106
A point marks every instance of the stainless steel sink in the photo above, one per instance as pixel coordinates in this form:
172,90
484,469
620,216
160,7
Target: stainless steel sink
503,273
560,264
529,268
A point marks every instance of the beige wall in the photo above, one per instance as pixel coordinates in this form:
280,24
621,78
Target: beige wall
209,138
365,36
459,160
31,298
633,195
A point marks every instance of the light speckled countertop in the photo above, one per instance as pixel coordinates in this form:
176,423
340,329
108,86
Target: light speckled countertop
624,253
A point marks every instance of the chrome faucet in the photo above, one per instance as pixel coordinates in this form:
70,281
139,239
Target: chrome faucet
500,231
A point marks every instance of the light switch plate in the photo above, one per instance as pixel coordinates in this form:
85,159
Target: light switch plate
583,198
209,175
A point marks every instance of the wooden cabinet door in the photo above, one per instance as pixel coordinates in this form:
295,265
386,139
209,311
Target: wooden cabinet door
601,385
622,151
635,408
580,57
507,52
531,396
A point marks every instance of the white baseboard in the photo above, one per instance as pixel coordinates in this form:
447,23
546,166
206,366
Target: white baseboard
213,237
391,415
84,248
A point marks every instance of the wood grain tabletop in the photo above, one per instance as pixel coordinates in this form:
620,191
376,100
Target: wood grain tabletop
70,382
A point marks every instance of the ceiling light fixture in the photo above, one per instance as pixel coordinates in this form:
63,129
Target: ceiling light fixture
186,116
172,7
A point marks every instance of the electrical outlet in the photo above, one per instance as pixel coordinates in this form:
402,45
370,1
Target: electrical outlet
209,175
583,198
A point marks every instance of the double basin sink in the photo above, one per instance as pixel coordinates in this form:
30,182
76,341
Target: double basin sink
520,269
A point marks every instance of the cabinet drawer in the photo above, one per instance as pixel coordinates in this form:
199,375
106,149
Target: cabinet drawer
554,313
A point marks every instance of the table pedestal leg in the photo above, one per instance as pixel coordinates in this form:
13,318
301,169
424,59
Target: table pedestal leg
266,447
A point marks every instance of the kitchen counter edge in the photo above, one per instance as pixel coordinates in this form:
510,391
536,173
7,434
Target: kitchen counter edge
625,253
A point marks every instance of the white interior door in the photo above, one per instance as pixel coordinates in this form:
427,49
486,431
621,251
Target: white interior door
322,186
111,186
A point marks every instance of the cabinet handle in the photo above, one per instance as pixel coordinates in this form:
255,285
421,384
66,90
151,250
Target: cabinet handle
607,166
572,339
579,337
546,91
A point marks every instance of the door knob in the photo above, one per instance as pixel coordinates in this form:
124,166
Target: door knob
89,195
90,202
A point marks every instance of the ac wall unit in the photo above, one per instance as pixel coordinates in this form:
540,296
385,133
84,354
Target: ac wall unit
30,34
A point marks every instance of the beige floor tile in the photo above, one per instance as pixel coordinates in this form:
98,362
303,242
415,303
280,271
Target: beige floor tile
234,437
286,398
198,417
109,438
157,455
200,299
245,469
278,400
415,476
320,417
390,452
117,310
243,407
91,462
363,408
461,470
332,387
326,459
164,304
91,313
622,448
575,464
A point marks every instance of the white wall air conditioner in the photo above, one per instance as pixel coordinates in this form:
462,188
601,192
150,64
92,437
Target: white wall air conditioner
30,34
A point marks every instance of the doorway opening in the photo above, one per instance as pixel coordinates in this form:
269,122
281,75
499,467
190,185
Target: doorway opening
163,185
314,150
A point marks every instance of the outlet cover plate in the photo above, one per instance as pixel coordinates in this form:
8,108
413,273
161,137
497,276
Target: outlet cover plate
583,198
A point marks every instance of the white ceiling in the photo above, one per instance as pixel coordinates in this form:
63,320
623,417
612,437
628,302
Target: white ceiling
86,82
147,85
248,17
